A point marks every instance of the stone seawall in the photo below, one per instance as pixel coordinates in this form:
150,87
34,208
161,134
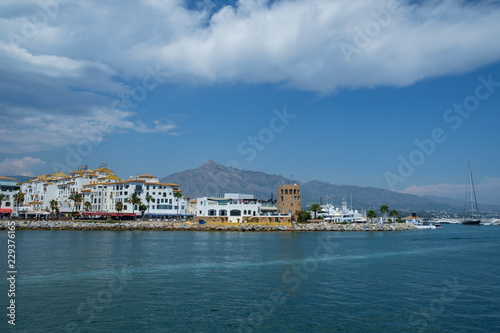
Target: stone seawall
173,226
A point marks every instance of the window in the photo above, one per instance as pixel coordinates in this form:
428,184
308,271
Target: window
286,191
222,212
294,191
295,198
164,194
235,212
212,212
281,191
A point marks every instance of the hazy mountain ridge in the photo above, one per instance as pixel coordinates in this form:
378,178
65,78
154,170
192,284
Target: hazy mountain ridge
213,178
20,179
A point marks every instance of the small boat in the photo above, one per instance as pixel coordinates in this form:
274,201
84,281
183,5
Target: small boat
471,202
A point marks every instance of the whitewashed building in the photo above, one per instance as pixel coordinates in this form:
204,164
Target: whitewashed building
103,197
8,187
236,207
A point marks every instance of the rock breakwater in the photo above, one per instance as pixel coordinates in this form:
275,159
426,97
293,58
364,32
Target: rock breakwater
173,226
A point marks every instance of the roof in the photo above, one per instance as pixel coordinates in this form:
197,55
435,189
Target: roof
162,184
111,177
145,176
6,178
413,218
60,174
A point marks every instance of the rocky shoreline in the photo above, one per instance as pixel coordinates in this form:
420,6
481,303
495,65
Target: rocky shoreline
188,226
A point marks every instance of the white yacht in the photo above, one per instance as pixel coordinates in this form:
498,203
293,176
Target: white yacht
331,213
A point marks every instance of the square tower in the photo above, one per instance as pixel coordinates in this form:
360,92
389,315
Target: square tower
289,199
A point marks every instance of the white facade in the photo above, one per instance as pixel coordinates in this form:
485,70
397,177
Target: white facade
8,187
237,207
103,189
104,196
41,190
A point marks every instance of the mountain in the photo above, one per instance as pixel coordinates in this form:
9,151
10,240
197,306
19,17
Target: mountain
20,179
459,204
213,179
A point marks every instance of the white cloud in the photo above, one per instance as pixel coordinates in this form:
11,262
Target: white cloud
487,190
22,167
64,70
31,131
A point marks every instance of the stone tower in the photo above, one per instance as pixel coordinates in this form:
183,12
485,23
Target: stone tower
289,199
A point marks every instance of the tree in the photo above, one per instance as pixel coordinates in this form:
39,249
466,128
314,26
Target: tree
134,200
177,194
87,206
315,207
3,197
393,213
384,209
75,197
142,209
119,207
53,206
18,199
148,199
371,215
303,216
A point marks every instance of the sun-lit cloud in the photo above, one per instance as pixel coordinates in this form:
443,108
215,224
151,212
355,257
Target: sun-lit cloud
487,190
63,65
20,167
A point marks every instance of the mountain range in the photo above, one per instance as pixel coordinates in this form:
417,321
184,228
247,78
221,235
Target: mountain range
213,179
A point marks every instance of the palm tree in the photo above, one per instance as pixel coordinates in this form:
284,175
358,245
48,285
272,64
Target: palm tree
3,197
75,197
133,199
148,199
177,194
371,215
384,209
53,206
18,199
87,205
393,213
315,207
142,209
119,207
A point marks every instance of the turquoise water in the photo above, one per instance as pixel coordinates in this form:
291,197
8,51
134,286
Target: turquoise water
444,280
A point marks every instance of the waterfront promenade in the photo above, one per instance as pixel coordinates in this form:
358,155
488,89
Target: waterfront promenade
187,226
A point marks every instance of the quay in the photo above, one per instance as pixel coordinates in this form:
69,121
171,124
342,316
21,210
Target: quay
192,226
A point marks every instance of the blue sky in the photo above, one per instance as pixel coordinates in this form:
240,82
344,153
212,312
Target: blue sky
337,91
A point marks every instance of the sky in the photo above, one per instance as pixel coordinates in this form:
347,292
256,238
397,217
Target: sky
392,94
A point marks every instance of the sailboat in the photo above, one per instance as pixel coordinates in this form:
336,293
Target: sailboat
471,202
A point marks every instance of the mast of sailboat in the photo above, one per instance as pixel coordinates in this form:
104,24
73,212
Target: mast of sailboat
473,200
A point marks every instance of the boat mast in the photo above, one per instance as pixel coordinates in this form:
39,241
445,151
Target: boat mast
473,200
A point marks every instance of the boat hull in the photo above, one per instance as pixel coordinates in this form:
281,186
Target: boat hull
471,222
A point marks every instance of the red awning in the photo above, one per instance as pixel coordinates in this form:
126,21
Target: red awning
121,214
5,211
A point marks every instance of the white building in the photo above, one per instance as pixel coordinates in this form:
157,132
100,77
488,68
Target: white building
102,189
8,187
236,207
103,196
41,190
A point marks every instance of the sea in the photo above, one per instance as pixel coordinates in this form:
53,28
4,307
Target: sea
444,280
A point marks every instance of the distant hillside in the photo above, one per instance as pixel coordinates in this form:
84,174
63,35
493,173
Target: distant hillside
459,204
212,178
20,179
